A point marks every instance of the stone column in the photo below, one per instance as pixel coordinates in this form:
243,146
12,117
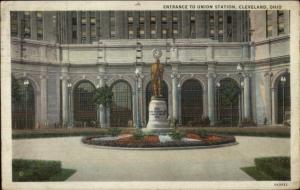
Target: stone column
211,95
274,108
179,105
134,106
139,104
43,100
65,111
174,95
268,98
102,109
247,97
205,109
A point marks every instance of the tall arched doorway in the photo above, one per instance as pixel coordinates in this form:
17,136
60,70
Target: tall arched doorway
23,105
283,98
149,94
191,101
121,109
85,111
228,102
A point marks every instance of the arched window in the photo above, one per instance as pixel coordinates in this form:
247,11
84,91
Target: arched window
85,111
228,102
283,98
191,101
149,94
121,109
23,105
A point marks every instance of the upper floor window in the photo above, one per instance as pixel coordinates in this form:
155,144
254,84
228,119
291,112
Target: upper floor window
153,19
39,25
130,19
14,24
280,22
26,29
269,26
142,19
112,25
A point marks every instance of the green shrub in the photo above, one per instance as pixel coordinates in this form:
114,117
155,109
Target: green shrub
199,122
34,170
173,123
276,167
138,134
202,133
246,122
114,131
176,134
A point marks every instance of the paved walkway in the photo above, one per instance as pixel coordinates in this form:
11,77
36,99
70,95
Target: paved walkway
94,164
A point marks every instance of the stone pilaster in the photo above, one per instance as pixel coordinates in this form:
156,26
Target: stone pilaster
134,105
119,16
138,92
211,93
205,106
247,96
102,110
33,27
179,105
44,103
175,77
274,108
78,27
267,81
65,111
101,83
186,21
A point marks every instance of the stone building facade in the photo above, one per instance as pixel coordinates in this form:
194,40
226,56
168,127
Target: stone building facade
66,55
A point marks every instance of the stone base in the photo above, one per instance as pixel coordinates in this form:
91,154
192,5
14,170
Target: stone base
157,116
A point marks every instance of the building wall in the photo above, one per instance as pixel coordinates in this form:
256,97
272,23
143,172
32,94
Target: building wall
76,27
58,58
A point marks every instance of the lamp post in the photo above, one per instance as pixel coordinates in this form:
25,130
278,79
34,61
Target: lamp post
240,73
218,85
283,80
70,123
138,86
26,84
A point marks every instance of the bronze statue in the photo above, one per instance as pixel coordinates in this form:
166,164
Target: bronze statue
157,71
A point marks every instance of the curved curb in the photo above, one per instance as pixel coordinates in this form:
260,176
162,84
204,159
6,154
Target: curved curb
161,148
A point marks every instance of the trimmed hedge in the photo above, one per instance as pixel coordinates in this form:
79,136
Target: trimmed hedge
53,133
34,170
276,167
65,132
270,169
243,131
255,173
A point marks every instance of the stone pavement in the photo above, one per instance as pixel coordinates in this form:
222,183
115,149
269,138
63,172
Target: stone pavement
96,164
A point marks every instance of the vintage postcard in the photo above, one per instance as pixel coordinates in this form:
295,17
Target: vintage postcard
150,95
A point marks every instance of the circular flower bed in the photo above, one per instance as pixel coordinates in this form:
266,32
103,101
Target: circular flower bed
156,140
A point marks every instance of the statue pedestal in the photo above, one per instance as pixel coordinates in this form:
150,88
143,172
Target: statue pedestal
157,116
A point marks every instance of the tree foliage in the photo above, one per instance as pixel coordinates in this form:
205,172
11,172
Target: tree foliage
15,90
230,93
103,95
